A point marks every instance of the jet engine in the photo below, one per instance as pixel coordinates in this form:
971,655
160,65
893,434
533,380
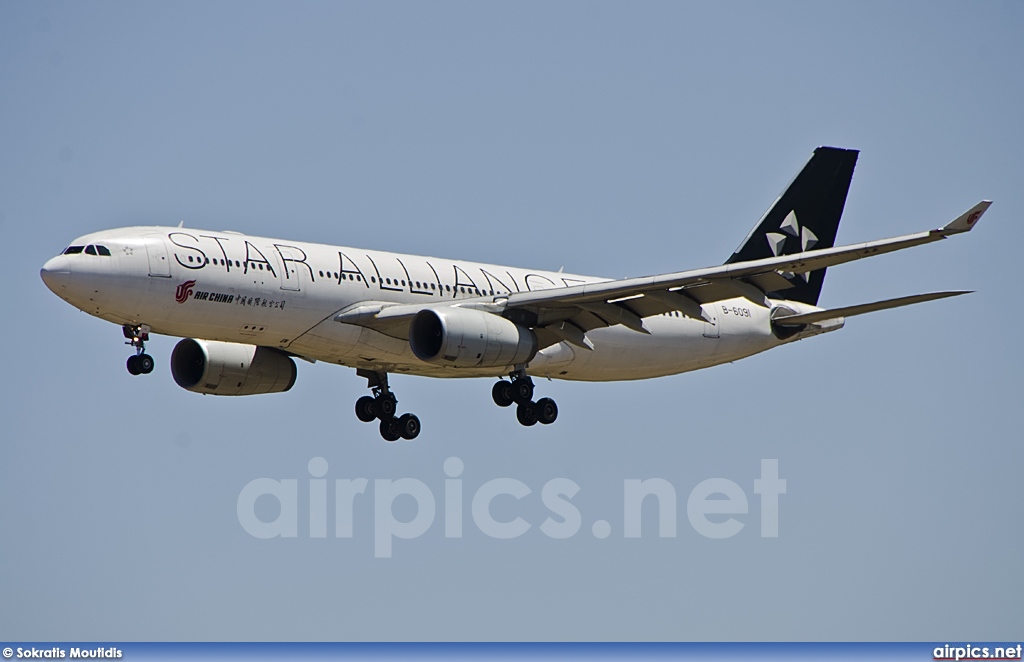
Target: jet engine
225,368
465,338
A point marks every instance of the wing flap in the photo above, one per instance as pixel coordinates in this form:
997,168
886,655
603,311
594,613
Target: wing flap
677,300
570,333
771,281
616,313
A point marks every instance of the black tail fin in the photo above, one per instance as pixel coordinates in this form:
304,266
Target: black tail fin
805,216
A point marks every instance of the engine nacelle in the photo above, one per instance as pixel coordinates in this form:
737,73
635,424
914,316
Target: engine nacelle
465,338
227,368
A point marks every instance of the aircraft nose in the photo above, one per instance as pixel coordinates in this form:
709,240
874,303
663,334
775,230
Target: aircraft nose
55,273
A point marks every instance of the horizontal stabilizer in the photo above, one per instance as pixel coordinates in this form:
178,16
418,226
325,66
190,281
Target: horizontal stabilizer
850,311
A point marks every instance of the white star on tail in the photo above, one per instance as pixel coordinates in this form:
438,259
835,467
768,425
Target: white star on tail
791,226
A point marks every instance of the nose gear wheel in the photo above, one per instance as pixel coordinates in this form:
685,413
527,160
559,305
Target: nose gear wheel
137,335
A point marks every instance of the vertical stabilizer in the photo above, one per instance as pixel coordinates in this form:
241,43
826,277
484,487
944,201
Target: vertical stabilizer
805,216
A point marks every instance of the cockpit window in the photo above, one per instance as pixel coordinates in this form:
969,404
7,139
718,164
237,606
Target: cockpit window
103,250
73,250
90,250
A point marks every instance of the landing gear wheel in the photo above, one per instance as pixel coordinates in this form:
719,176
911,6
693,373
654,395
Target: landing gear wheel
144,363
502,393
527,414
365,409
547,411
384,407
137,335
389,429
409,426
522,391
382,404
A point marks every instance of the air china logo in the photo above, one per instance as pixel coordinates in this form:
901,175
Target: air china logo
184,290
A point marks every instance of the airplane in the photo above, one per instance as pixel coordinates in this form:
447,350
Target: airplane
246,306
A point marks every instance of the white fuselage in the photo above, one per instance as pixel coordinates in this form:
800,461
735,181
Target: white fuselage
230,287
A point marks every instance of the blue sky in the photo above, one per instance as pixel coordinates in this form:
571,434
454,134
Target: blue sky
612,139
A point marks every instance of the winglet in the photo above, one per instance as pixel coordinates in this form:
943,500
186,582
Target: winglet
967,220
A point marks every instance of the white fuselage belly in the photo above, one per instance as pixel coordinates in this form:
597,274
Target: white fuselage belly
285,294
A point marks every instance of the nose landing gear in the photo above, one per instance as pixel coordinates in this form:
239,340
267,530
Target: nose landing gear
382,405
137,335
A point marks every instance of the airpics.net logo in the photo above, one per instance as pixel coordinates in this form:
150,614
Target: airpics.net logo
714,507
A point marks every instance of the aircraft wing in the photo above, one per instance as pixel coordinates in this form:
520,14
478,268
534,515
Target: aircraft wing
738,272
567,313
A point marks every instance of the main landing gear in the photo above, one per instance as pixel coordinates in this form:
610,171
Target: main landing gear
382,405
519,391
137,335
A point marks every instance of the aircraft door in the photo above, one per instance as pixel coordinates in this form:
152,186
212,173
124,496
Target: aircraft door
156,251
710,328
292,262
